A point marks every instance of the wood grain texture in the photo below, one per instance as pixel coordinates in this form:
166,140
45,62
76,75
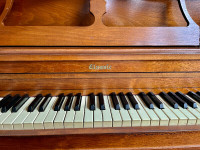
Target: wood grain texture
99,66
2,5
51,13
133,13
56,70
98,131
105,91
170,140
99,35
193,6
94,53
146,13
106,83
71,74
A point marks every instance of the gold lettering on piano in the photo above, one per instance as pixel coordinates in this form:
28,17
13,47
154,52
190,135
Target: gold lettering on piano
100,67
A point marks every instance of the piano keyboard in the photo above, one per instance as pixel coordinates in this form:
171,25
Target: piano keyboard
96,111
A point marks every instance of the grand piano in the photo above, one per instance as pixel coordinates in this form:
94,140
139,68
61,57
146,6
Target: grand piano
96,74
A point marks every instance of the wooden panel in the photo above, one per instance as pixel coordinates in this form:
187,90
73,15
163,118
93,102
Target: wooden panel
91,53
105,91
193,7
51,13
102,82
99,66
155,17
147,141
2,5
143,13
98,34
103,130
122,37
178,52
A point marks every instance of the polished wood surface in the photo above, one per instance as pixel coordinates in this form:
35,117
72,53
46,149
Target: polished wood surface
97,34
133,13
52,13
33,70
100,82
88,66
152,141
96,131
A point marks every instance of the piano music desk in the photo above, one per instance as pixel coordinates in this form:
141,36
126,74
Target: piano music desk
33,63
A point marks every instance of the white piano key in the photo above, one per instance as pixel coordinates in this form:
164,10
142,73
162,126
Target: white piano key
126,119
173,119
98,118
183,120
18,123
155,121
8,123
107,117
164,120
145,120
60,116
39,121
3,117
136,120
195,112
28,122
88,118
117,120
198,105
191,118
79,116
48,122
69,118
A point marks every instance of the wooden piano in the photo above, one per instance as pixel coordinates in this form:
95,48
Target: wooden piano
96,74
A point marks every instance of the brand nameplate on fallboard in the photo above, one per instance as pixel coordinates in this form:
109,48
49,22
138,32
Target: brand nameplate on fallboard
100,67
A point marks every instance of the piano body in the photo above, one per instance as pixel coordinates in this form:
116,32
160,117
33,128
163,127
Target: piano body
133,73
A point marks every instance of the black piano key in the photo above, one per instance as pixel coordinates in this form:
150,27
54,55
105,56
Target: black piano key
158,103
101,101
115,101
10,103
146,100
169,100
187,100
78,102
35,102
92,101
178,100
69,102
20,103
124,101
133,100
45,103
6,103
5,99
59,102
194,96
198,93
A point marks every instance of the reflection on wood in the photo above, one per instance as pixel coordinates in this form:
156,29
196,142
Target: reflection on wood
144,13
50,13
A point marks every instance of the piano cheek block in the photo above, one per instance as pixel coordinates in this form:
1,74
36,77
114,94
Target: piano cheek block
87,74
